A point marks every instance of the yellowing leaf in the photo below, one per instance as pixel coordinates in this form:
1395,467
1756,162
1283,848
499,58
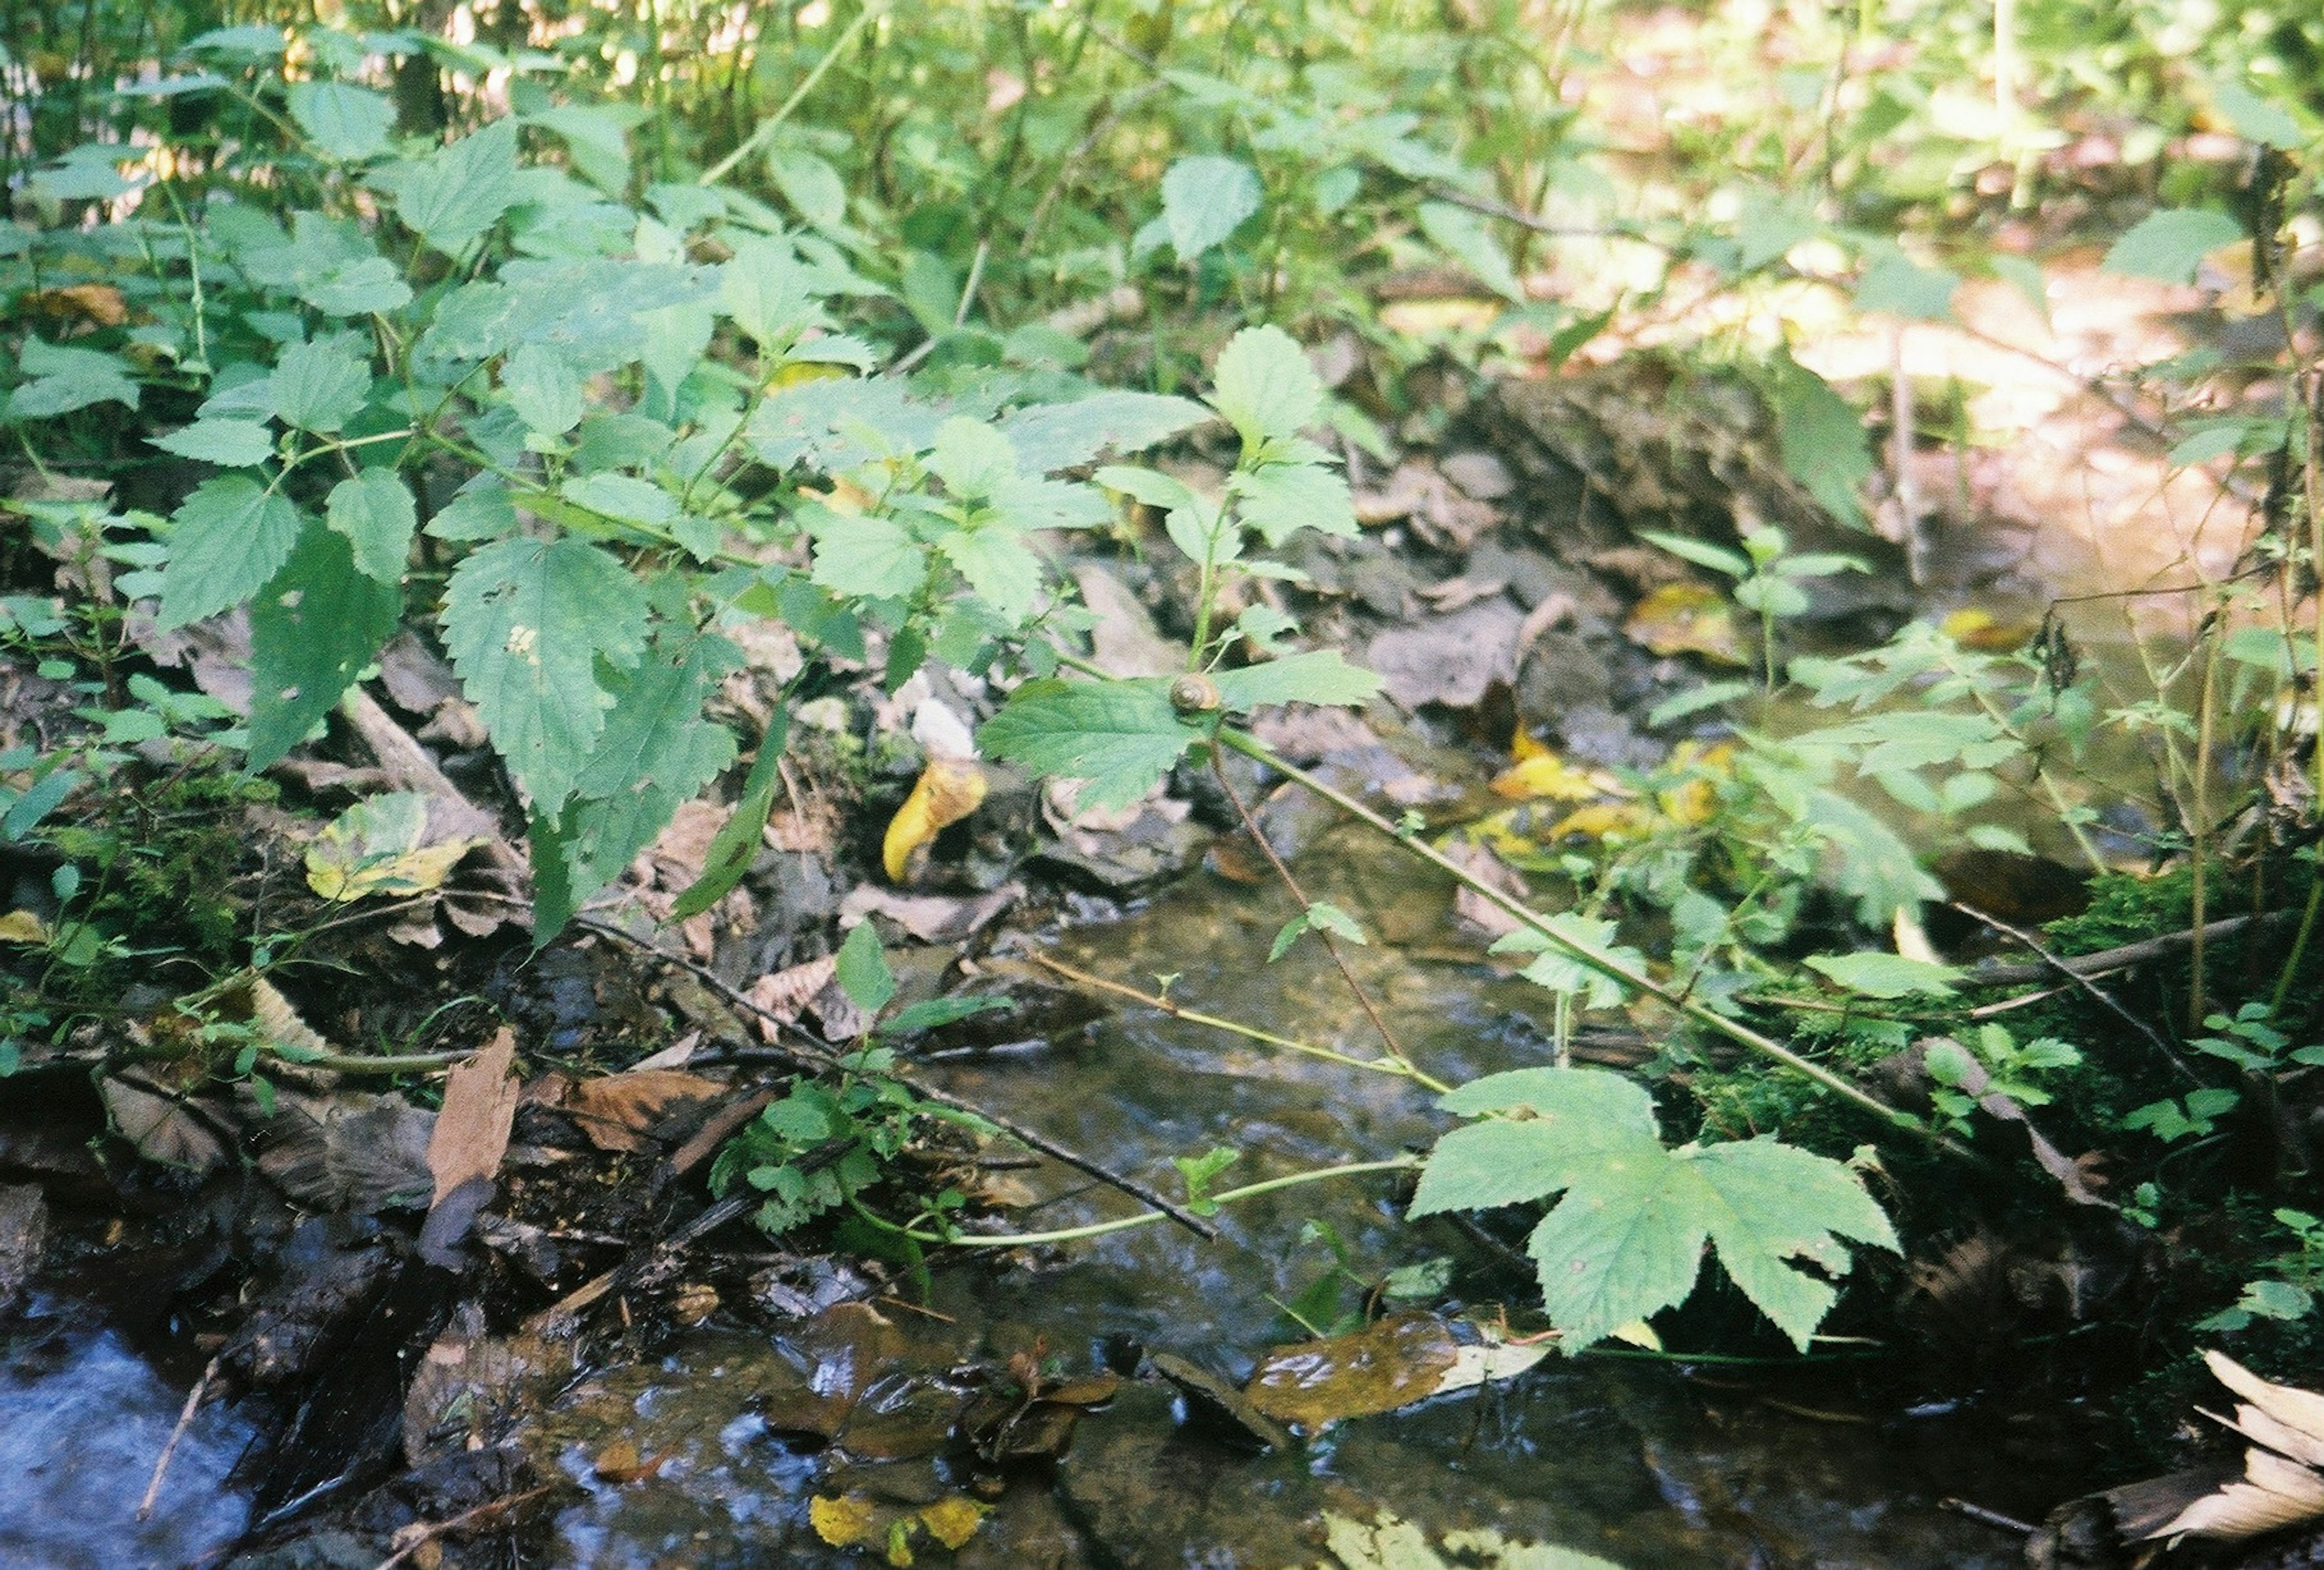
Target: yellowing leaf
949,790
797,373
22,927
1605,820
1546,777
395,843
1981,629
953,1521
841,1520
1687,618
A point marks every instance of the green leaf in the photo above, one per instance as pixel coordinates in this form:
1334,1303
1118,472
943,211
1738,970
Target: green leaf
313,628
1461,235
735,845
374,511
1576,1098
864,555
999,565
1320,676
1048,437
1120,737
1702,552
862,970
1885,975
1266,387
1200,1172
596,138
457,192
1278,500
1820,436
811,185
349,124
230,536
2254,118
231,444
1149,486
1774,1203
61,380
526,621
481,511
971,457
1319,916
546,392
1205,199
318,386
1899,286
2171,243
1559,969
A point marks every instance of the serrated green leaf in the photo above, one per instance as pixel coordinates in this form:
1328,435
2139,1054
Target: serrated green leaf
526,621
1205,199
736,844
230,536
1120,737
1461,235
864,555
1149,486
60,380
1580,1098
999,565
1278,500
313,628
1776,1203
1319,676
349,124
1820,436
971,457
1266,388
1504,1163
863,972
2254,118
1048,437
318,386
2170,244
1885,975
376,512
455,193
546,392
482,510
811,185
231,444
596,138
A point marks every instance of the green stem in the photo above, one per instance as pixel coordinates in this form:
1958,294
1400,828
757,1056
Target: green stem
1588,955
1146,1217
757,139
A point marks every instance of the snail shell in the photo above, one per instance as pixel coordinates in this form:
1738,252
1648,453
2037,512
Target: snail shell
1191,693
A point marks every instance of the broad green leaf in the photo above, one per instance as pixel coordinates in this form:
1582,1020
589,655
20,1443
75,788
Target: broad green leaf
1149,486
2171,243
1320,676
999,565
349,124
971,457
811,185
2254,118
1899,286
1055,436
1502,1161
1577,1098
1205,199
1625,1243
1461,235
230,536
1278,500
864,555
318,386
863,971
61,380
1768,1204
1702,552
231,444
544,391
1875,975
596,138
625,497
1561,968
1120,737
526,621
1266,387
313,628
1820,436
374,511
481,511
455,193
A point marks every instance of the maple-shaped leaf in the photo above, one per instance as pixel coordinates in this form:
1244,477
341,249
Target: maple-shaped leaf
526,621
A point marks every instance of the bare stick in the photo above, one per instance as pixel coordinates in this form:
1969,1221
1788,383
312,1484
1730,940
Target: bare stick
1989,974
185,1421
424,1533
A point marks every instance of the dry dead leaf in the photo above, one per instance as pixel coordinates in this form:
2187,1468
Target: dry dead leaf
472,1131
400,843
617,1111
348,1151
1687,618
786,993
163,1128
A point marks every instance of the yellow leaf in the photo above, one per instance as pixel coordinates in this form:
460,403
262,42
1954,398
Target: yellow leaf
1687,618
1546,777
841,1520
1604,820
385,845
900,1544
953,1521
1984,632
949,790
22,927
797,373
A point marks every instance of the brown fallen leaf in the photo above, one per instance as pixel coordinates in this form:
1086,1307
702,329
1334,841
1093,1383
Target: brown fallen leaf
472,1130
617,1110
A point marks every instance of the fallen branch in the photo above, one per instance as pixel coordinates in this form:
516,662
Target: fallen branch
1996,974
169,1449
2096,993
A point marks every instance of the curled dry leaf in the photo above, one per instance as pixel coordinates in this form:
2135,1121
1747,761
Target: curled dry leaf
619,1111
2280,1485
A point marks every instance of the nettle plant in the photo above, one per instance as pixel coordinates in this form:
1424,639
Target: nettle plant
480,388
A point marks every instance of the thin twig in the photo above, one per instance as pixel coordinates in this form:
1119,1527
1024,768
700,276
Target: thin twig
427,1532
169,1449
2096,993
1331,944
